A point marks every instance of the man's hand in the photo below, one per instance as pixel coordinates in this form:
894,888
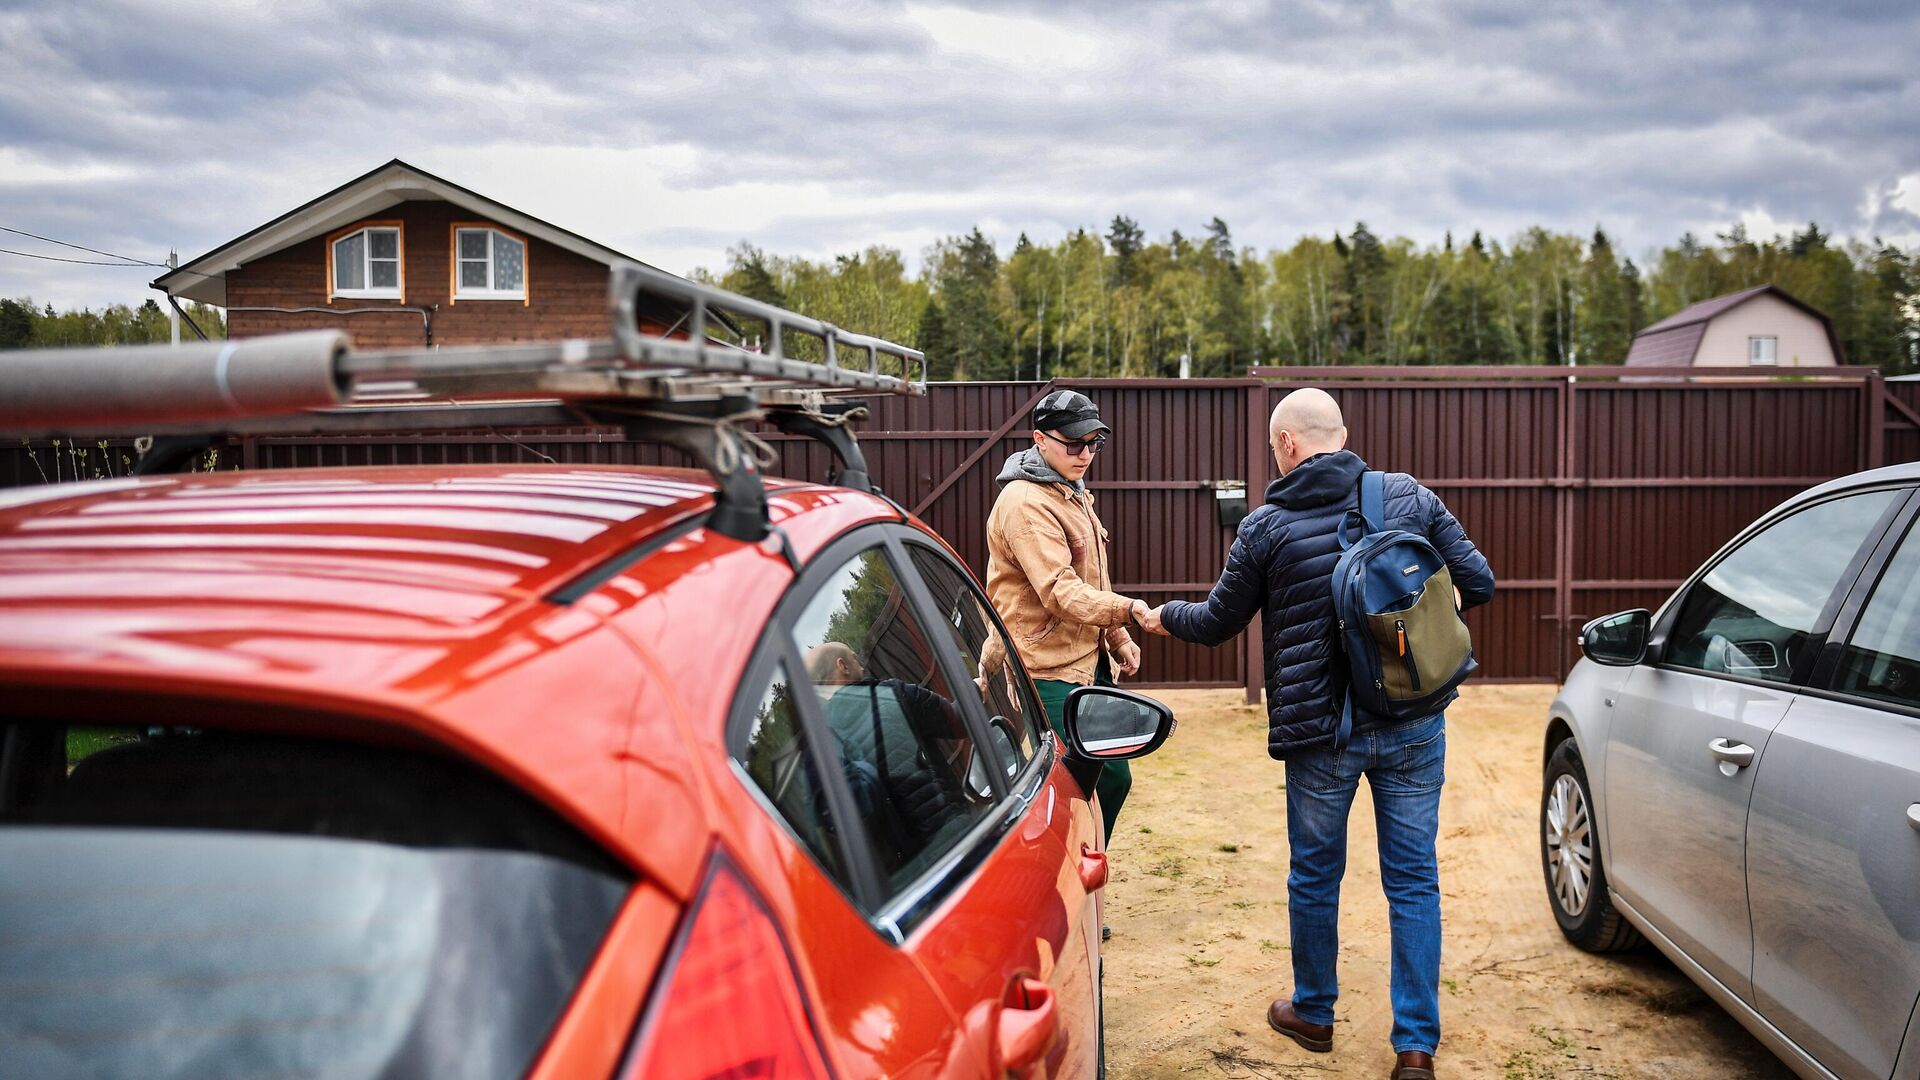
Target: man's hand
1150,622
1129,657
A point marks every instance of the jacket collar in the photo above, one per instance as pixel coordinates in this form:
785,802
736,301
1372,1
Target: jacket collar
1321,480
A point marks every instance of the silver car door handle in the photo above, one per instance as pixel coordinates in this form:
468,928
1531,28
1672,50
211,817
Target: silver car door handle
1738,755
1913,816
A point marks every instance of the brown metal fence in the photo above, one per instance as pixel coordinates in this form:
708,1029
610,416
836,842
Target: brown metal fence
1588,495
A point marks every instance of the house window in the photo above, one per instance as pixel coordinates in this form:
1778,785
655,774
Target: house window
366,263
488,264
1763,350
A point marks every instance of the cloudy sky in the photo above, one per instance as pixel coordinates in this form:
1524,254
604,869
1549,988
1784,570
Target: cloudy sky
674,131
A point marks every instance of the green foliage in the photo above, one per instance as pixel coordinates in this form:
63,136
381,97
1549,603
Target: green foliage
24,325
1118,304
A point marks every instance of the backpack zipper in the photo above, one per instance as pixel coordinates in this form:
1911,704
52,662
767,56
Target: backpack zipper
1406,655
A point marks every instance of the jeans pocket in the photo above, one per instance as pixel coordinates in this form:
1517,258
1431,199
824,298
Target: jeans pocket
1316,771
1423,764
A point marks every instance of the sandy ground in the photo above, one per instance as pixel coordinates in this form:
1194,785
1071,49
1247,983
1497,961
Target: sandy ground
1198,906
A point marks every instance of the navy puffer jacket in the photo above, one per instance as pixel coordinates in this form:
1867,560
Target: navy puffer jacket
1281,567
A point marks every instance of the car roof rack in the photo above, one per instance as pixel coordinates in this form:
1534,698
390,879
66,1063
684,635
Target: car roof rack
683,387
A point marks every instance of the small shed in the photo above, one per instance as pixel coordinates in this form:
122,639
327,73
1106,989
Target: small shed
1764,325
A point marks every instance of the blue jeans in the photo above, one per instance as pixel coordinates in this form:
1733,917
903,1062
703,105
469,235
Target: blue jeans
1405,766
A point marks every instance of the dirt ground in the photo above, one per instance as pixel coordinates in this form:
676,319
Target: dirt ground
1198,906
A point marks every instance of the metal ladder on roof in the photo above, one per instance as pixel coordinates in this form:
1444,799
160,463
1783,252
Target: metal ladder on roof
684,388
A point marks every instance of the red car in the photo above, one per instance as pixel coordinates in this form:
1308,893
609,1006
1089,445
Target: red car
478,771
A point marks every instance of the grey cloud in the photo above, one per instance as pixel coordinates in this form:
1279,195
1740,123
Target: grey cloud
1280,117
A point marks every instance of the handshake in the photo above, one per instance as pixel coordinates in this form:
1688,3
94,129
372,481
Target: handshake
1149,618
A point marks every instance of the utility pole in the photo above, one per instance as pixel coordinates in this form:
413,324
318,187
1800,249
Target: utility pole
173,306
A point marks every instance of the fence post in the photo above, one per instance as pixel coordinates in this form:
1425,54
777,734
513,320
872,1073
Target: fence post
1252,663
1874,390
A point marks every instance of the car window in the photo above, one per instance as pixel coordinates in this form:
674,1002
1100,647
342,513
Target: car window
916,773
1751,615
777,757
1008,697
1882,660
183,902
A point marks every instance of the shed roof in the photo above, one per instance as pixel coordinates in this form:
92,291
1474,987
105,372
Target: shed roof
1673,341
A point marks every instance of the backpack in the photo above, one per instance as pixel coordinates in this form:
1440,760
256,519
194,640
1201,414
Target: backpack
1395,618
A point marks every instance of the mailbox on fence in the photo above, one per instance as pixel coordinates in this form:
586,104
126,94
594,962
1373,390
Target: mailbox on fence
1230,500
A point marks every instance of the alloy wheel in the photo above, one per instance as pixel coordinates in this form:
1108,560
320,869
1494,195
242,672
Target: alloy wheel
1569,845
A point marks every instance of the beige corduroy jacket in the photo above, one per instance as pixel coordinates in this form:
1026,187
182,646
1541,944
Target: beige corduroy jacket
1048,577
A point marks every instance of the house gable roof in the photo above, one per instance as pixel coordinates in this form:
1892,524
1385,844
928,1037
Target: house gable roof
204,278
1673,341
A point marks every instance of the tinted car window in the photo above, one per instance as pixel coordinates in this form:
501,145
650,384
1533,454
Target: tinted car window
1008,698
1752,613
188,903
1883,658
777,758
915,769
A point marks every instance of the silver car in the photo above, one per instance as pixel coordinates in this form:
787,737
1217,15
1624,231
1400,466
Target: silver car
1737,779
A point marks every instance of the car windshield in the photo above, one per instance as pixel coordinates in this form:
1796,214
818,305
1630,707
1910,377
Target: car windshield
184,903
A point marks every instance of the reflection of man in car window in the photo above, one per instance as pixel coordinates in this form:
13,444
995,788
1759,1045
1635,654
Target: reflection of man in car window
908,734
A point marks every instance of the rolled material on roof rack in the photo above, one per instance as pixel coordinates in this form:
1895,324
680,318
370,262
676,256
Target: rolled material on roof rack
86,390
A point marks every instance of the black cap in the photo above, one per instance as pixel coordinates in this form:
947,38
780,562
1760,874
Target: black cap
1070,413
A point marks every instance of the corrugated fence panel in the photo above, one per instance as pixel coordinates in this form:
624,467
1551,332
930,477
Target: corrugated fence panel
1587,497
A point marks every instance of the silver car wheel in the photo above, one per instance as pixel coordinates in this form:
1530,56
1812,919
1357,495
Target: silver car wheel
1569,845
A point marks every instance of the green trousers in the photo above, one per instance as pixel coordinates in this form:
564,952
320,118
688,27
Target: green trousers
1116,778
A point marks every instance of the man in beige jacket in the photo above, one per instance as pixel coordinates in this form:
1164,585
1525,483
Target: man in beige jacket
1048,576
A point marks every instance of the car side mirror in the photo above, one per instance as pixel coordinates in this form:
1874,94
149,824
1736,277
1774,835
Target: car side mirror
1617,640
1108,724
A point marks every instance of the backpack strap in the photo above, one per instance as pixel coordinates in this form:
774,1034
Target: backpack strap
1373,499
1371,517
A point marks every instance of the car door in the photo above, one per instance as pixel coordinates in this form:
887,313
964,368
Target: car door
941,821
1691,725
1833,840
1058,835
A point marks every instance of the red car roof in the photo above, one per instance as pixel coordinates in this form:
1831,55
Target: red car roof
414,597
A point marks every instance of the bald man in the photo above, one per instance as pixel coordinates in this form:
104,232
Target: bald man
1281,567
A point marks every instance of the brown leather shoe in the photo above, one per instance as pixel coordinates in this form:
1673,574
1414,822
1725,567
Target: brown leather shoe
1413,1065
1315,1037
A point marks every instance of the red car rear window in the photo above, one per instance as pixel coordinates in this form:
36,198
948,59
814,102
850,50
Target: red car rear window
181,903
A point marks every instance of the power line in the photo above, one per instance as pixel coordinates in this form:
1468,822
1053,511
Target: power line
83,262
78,247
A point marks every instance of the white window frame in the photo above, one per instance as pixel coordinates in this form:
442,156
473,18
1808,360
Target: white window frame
397,291
1753,350
471,292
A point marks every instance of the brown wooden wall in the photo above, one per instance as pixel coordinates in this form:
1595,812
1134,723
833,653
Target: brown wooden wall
566,293
1587,498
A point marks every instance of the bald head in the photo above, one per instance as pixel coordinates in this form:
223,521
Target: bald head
833,662
1305,423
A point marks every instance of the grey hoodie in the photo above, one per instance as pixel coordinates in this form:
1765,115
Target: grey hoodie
1029,465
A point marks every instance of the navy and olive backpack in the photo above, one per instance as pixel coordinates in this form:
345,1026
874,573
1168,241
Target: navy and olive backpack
1395,616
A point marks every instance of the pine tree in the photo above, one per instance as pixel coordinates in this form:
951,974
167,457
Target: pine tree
1605,323
16,325
932,341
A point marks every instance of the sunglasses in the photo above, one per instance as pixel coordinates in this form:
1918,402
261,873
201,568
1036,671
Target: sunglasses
1076,447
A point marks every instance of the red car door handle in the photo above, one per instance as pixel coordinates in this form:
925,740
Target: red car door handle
1093,868
1027,1024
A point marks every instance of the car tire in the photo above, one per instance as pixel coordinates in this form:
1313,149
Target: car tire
1570,859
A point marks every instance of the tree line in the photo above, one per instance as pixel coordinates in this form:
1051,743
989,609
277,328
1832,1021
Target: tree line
23,324
1115,304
